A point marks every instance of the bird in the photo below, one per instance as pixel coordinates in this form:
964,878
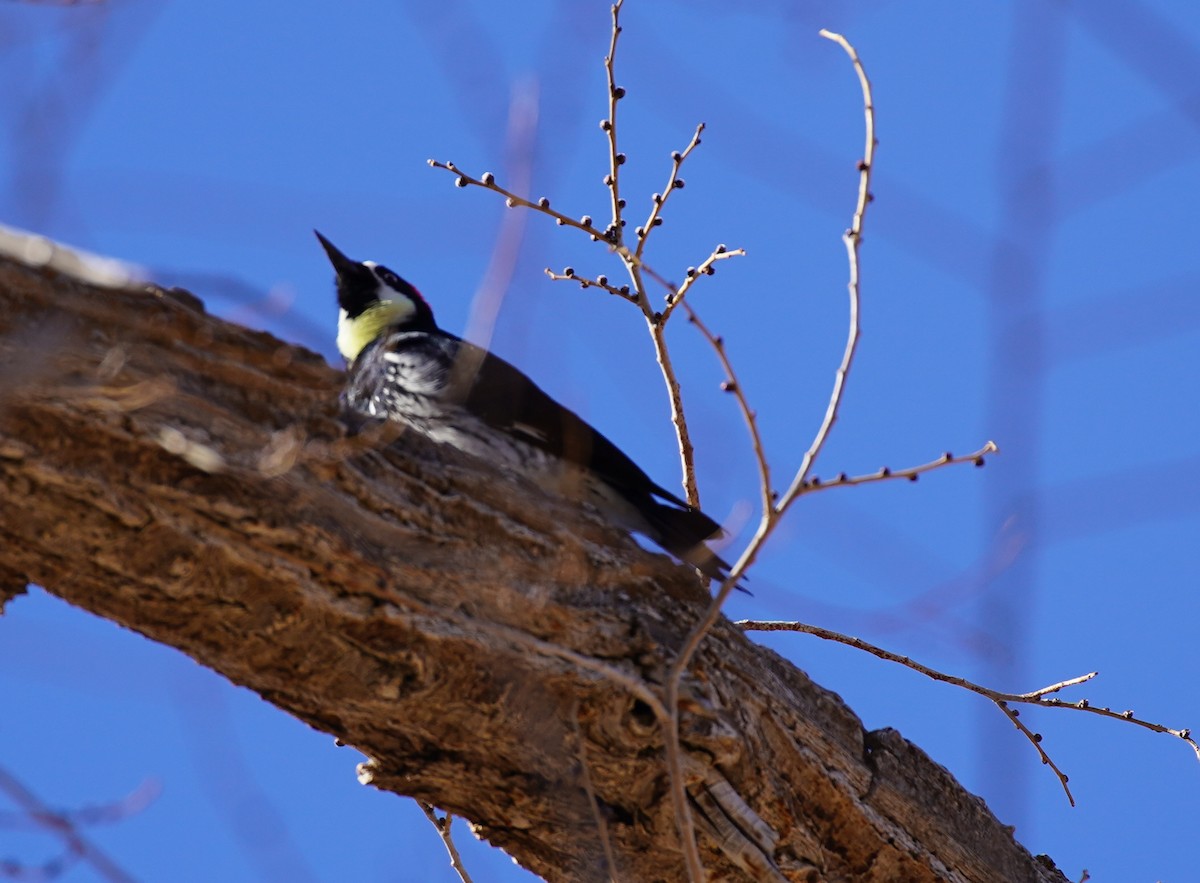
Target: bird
403,367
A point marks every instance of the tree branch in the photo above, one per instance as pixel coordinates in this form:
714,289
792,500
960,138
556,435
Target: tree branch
188,478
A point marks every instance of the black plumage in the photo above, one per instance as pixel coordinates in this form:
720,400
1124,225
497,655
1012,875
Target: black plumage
403,367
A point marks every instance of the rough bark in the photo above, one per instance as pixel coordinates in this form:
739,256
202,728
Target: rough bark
188,478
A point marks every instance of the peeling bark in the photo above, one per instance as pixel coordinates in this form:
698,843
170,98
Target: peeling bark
188,478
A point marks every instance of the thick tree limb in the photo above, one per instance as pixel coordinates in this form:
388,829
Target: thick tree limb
187,478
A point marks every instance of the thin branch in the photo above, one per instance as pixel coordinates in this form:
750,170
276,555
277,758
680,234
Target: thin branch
1035,739
609,125
853,239
542,205
733,386
1033,697
687,453
911,473
569,275
488,182
772,514
675,296
674,182
443,828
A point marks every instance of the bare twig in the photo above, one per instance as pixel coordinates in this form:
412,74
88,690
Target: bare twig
569,275
1035,739
772,514
911,473
609,125
676,296
488,182
442,824
853,239
687,453
674,182
733,386
1033,697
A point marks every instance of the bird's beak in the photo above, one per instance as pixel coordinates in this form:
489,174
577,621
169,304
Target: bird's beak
341,263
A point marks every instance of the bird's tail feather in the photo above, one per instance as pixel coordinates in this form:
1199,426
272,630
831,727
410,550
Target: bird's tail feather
682,532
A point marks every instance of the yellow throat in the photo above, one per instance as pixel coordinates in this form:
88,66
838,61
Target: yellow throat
354,334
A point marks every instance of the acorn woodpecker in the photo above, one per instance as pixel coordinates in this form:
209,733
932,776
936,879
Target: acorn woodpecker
403,367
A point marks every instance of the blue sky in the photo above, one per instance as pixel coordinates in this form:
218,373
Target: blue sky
1030,276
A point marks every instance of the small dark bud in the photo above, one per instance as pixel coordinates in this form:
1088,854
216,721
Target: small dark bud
657,198
979,461
559,221
1082,703
608,179
510,202
460,181
488,179
605,125
640,232
601,280
620,159
621,202
624,289
586,220
1016,712
595,238
431,161
862,165
623,222
721,248
676,155
677,183
543,202
814,482
913,477
619,92
658,222
870,197
843,478
885,472
947,457
719,340
1127,714
1037,737
583,283
569,272
690,272
727,386
710,270
657,318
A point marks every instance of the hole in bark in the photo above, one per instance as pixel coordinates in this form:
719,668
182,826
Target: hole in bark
642,714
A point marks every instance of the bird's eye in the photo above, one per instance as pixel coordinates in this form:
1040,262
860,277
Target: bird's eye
389,278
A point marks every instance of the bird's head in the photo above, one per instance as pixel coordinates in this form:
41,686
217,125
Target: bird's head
371,300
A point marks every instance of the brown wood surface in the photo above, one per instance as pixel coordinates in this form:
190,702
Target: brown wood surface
188,478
